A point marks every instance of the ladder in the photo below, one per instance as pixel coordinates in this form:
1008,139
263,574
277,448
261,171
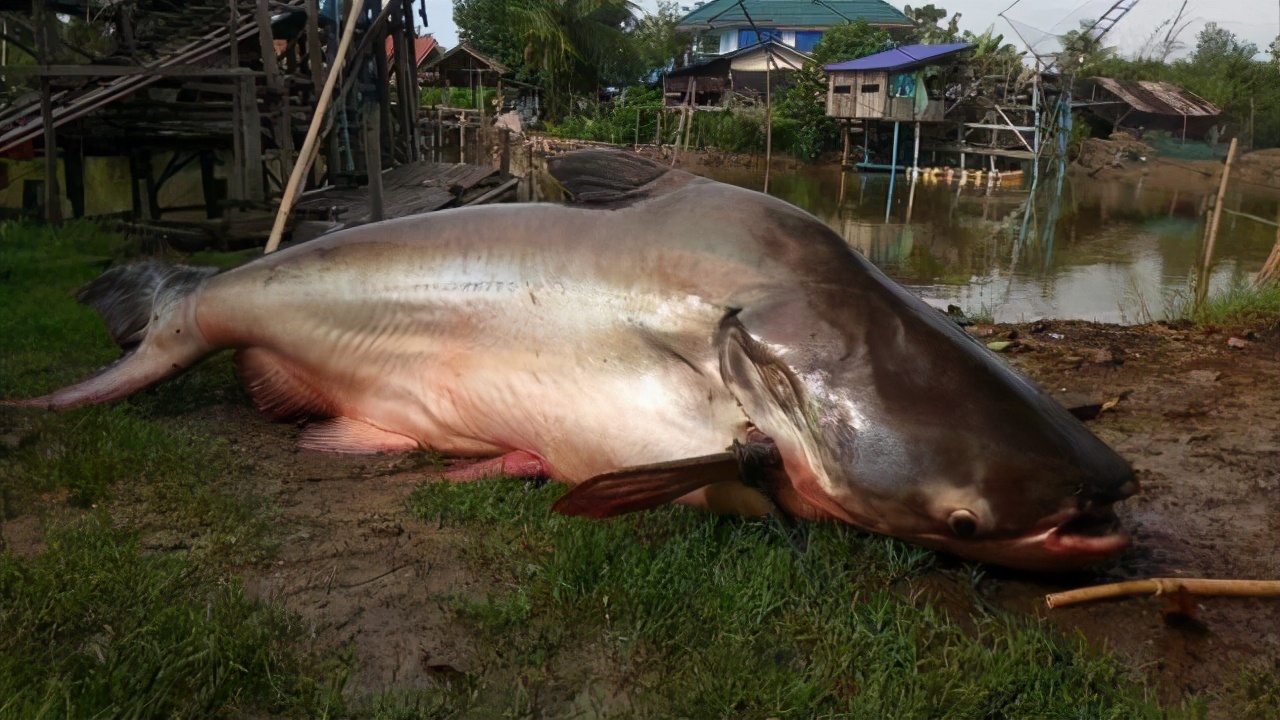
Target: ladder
1113,15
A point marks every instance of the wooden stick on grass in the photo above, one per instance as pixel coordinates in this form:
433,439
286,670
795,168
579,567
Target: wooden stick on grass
1166,586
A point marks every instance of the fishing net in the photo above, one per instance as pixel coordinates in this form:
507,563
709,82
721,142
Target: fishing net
1166,145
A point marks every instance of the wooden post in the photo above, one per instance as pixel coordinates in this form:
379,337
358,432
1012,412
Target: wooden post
373,157
73,171
266,44
462,136
313,48
845,130
504,164
252,129
439,134
237,174
1202,287
135,195
309,146
207,185
915,156
415,135
52,198
152,187
379,50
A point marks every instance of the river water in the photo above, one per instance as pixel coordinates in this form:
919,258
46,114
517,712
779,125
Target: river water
1108,252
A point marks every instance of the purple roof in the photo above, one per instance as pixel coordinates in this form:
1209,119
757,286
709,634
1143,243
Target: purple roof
903,57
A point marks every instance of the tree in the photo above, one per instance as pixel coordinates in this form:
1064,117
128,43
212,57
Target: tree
567,47
928,31
849,41
657,42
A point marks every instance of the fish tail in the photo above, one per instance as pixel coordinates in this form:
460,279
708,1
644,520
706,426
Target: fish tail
148,310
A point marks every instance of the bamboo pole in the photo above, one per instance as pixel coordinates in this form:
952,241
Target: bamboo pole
1270,271
768,115
1166,586
306,155
1202,287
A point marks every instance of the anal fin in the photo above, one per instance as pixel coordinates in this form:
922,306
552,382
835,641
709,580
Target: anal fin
279,390
347,435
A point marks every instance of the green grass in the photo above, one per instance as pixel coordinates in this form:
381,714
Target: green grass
1241,305
93,626
706,617
133,607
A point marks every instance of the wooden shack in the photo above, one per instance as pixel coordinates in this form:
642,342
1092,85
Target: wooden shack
906,84
743,72
465,67
1147,105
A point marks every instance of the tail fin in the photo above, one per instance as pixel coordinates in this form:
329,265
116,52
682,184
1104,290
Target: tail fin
144,308
130,297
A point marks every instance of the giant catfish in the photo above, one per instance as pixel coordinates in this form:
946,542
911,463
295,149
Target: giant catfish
664,337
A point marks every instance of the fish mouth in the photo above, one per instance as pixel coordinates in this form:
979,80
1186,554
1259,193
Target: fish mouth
1096,532
1081,539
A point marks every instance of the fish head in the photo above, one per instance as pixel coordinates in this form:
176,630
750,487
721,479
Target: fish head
890,417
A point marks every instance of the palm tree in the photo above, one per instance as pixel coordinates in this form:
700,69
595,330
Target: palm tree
575,45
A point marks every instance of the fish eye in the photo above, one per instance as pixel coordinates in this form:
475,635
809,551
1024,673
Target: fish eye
963,524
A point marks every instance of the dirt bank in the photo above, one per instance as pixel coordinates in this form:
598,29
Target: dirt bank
1121,158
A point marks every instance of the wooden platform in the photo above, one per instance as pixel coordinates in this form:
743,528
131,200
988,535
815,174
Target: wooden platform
410,189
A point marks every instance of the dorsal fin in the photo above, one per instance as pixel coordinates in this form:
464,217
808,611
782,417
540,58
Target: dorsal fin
613,177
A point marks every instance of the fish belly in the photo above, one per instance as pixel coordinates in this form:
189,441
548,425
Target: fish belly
589,376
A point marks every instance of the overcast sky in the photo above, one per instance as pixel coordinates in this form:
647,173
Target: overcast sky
1257,21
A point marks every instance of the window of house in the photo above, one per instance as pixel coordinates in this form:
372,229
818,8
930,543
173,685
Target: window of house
807,39
748,37
870,88
842,89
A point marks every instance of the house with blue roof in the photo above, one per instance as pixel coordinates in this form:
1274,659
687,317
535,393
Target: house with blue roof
721,27
902,84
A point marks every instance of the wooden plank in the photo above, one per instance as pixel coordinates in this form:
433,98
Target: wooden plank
495,193
991,126
90,70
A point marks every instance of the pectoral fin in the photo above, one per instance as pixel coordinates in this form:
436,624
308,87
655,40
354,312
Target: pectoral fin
646,486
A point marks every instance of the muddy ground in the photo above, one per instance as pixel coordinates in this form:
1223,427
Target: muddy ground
1200,421
1199,418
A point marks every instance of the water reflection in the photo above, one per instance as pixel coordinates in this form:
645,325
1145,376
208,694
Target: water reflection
1104,251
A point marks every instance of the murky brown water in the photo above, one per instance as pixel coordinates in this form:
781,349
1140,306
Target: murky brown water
1115,252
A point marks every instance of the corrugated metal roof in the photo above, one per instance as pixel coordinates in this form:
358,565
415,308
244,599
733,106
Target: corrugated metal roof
1158,98
792,14
422,47
752,57
903,57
